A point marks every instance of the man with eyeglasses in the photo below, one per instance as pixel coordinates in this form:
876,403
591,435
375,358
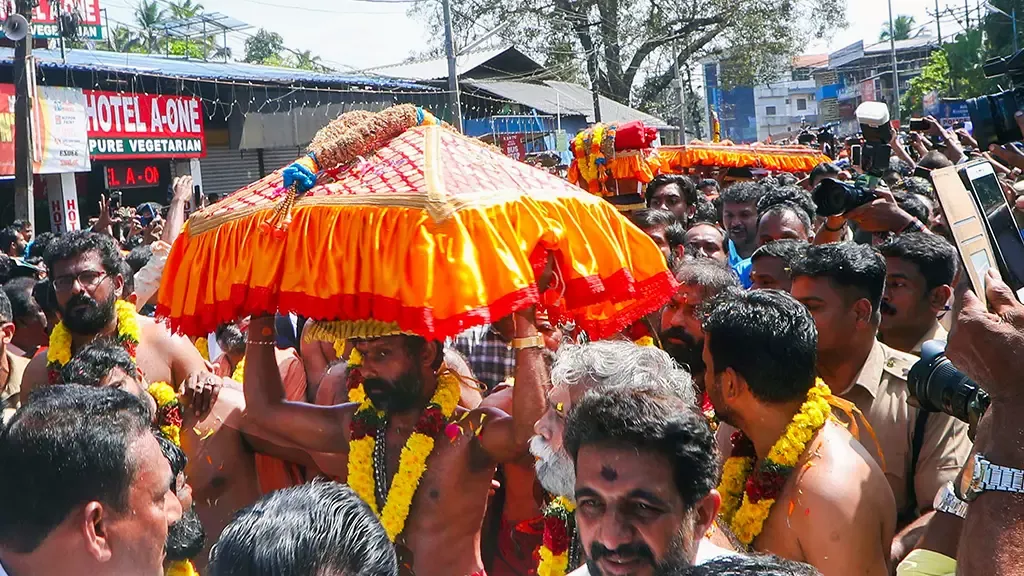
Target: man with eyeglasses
86,272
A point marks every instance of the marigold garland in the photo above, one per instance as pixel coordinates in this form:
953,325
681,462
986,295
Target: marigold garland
59,352
748,494
239,372
554,551
412,462
169,422
203,345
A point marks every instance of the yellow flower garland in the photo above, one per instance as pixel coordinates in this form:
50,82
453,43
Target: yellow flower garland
239,372
59,352
169,419
412,462
747,516
203,345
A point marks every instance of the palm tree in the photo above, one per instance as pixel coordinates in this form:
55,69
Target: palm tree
902,29
307,61
150,18
183,9
120,39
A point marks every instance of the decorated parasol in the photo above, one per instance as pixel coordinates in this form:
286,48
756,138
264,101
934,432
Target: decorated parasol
615,161
696,154
394,223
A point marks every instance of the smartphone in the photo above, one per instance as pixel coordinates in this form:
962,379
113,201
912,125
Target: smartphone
855,151
925,173
967,226
919,125
980,180
115,202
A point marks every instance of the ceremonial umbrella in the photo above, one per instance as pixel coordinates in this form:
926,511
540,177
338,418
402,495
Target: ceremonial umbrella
409,227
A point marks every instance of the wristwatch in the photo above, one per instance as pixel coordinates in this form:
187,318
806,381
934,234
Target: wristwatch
535,341
979,475
946,501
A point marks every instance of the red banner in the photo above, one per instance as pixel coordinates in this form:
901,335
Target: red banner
144,126
45,13
513,145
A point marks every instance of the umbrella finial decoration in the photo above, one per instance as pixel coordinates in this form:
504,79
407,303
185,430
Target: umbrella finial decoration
348,138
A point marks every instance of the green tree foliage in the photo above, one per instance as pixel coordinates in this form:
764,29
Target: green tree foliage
934,77
264,47
634,43
902,29
953,72
150,17
183,9
966,56
999,27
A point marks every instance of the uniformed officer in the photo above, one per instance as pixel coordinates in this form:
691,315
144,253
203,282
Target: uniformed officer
920,269
842,284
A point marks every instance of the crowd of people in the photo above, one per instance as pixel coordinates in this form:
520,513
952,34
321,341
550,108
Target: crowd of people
763,424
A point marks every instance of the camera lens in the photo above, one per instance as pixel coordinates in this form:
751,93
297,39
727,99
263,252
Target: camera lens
833,197
940,387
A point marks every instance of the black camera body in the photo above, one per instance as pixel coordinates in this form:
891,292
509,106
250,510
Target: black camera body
940,387
833,197
992,115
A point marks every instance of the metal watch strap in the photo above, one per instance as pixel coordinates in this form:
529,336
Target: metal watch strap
946,501
1002,478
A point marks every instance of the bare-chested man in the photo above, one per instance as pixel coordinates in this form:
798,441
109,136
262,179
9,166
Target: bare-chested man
836,510
441,535
86,272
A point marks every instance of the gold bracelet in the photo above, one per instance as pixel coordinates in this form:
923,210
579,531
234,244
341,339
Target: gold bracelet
261,342
535,341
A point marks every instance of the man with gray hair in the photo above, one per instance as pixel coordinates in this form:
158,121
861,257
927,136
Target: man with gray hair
601,367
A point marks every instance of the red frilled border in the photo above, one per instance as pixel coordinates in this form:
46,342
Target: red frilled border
647,297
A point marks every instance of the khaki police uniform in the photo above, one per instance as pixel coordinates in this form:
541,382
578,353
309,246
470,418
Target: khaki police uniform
936,332
880,392
10,391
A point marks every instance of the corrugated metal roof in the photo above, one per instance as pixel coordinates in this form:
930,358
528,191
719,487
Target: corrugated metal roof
437,68
179,67
553,97
908,44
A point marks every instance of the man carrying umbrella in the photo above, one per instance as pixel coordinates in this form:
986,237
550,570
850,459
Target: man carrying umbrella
425,465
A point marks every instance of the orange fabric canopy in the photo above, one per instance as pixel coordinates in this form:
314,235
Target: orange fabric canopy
775,158
431,233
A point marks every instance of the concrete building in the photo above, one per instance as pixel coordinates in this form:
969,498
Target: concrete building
862,73
786,106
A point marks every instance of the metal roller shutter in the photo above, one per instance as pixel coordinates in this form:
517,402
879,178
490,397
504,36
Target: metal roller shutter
226,170
277,158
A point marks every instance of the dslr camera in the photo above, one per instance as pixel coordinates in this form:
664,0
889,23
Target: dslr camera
992,115
940,387
833,197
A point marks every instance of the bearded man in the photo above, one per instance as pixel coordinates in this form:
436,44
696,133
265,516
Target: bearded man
423,463
87,272
797,483
603,367
681,335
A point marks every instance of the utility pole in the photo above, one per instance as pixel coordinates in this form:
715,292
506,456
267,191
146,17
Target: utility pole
453,73
682,97
895,71
938,23
595,79
1013,18
24,87
967,14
